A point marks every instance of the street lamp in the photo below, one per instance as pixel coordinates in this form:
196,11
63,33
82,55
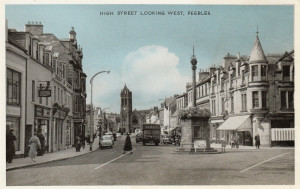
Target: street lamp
92,109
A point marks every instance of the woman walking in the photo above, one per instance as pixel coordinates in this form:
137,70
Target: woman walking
35,144
127,146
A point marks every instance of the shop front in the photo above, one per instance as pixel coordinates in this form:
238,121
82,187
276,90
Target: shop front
237,124
216,136
59,116
79,128
42,123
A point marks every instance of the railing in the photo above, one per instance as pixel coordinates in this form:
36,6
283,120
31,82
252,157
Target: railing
283,134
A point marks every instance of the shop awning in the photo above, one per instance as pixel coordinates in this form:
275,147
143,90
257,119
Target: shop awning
240,123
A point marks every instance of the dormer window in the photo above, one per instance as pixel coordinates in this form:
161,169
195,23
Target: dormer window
286,73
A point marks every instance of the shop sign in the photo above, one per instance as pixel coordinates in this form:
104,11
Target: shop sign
200,144
44,93
38,111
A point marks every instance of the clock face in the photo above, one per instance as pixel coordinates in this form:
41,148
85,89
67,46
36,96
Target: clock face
124,108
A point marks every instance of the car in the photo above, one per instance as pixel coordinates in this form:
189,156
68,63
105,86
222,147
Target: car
119,135
110,134
167,140
139,137
105,141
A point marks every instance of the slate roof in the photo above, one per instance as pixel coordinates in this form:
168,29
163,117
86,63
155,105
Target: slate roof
257,54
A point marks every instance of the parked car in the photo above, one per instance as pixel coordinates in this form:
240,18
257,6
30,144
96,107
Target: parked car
167,140
105,141
119,135
139,137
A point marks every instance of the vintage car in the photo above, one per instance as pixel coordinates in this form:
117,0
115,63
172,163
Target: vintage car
106,141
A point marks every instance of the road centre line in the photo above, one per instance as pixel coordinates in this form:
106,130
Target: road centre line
112,160
262,162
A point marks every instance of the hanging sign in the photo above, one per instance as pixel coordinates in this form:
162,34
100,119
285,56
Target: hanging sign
44,93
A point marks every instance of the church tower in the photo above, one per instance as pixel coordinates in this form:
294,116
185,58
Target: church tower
126,110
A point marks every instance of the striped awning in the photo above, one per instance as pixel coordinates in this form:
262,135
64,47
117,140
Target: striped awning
283,134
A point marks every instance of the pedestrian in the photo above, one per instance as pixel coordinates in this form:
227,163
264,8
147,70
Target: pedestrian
10,146
257,141
82,140
232,141
77,143
236,140
41,137
35,144
127,146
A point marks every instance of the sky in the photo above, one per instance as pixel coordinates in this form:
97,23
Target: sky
151,53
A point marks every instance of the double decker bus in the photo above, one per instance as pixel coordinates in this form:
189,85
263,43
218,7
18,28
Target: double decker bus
151,133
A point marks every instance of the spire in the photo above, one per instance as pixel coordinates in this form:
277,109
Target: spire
257,54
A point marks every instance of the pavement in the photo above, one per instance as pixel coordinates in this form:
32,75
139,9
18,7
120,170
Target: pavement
241,147
51,157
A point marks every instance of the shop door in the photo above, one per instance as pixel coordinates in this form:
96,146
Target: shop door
28,134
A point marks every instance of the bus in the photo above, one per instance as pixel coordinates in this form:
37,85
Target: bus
151,133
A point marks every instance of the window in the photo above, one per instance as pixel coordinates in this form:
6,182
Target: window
46,59
231,80
264,99
255,99
291,99
37,52
54,93
244,102
223,105
243,77
222,86
13,89
263,70
62,99
33,91
58,95
286,73
287,100
205,89
232,104
255,73
202,94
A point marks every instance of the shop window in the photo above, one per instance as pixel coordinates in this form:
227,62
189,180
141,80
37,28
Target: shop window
255,73
255,99
14,123
13,89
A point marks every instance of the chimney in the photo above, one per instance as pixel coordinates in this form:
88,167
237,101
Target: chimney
35,28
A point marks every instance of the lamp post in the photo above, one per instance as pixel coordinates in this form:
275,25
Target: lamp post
92,109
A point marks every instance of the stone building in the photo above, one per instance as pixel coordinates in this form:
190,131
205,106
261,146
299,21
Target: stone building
51,79
254,96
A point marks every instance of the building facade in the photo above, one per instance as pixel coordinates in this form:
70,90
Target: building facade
126,110
50,86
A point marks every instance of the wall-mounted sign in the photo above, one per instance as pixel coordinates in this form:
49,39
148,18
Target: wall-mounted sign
38,111
44,93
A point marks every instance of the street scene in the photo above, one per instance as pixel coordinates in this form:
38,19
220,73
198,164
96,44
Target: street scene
146,95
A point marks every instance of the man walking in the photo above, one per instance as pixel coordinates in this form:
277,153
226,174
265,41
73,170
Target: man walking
236,140
257,141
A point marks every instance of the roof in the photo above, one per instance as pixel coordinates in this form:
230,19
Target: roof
257,54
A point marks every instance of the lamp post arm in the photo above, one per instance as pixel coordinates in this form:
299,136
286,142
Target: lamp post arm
91,80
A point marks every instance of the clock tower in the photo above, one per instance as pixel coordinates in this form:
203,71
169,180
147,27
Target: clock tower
126,110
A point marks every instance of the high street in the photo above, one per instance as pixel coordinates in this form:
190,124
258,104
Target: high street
160,165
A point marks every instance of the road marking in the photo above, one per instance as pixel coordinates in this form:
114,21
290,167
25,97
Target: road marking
112,160
262,162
